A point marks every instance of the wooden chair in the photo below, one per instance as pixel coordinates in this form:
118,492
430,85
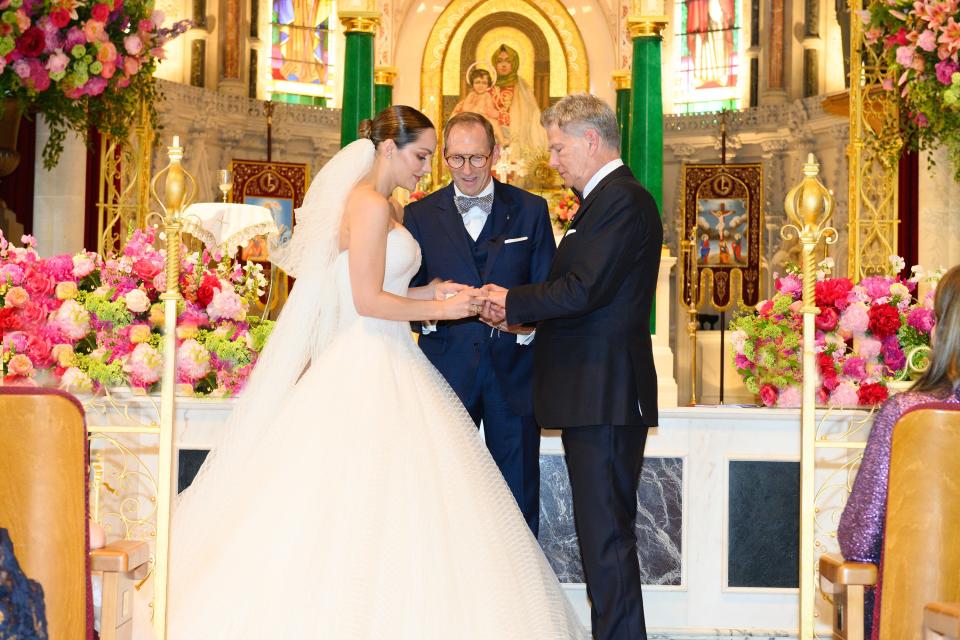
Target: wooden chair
43,504
920,550
941,621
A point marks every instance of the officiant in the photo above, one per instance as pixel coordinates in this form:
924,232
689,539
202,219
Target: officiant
474,231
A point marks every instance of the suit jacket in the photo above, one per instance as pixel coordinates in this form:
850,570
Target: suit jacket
593,357
521,246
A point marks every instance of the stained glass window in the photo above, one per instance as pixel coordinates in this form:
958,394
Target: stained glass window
303,52
708,55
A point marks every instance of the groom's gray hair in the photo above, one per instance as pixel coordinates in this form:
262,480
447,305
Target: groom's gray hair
578,112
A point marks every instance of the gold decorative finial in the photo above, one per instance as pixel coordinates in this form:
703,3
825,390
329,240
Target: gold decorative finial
809,206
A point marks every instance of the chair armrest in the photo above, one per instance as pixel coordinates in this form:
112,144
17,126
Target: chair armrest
120,556
834,570
942,618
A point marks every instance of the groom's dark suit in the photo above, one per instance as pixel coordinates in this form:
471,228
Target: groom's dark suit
488,370
594,378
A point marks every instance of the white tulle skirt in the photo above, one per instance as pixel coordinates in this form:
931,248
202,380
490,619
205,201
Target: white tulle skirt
369,508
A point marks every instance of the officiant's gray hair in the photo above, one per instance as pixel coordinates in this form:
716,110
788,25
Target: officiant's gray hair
575,113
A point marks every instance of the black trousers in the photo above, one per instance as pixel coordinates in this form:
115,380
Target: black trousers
604,463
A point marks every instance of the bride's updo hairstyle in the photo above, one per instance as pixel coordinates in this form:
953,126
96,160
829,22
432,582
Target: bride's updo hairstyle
399,123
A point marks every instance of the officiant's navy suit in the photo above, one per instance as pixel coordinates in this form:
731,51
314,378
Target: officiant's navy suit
489,371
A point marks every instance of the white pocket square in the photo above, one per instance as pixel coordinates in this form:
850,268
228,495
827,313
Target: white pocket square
569,232
515,240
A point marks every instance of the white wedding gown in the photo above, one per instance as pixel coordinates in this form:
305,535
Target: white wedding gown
369,508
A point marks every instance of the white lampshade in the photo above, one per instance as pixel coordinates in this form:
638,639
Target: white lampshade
227,225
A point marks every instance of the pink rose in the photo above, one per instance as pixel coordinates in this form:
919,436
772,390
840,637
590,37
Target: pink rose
146,269
83,265
57,62
768,395
20,365
131,66
17,297
66,290
107,52
137,301
133,44
38,283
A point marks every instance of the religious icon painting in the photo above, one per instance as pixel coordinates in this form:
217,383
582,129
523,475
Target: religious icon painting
722,219
278,186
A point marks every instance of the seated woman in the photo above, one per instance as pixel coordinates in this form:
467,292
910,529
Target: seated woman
861,525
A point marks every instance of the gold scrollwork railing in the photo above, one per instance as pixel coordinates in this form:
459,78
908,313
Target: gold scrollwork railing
123,196
874,154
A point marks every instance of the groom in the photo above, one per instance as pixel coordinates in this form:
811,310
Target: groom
474,231
593,360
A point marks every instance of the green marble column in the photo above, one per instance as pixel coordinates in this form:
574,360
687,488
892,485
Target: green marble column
646,109
646,115
383,78
358,99
621,81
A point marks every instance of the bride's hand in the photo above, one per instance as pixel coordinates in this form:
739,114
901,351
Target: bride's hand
446,289
467,302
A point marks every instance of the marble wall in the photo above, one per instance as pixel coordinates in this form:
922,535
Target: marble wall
658,525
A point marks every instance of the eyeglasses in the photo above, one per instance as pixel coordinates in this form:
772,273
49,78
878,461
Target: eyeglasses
476,161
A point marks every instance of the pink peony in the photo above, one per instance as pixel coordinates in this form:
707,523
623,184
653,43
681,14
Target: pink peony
790,285
827,319
855,367
226,304
193,361
945,70
11,273
72,320
854,320
789,397
76,381
144,364
921,319
866,348
845,395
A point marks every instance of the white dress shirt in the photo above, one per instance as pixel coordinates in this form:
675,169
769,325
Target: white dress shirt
473,221
475,218
602,173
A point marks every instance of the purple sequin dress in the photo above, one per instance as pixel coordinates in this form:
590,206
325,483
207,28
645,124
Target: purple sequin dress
861,525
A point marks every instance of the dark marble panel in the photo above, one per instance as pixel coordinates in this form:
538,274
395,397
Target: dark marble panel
189,463
763,524
658,526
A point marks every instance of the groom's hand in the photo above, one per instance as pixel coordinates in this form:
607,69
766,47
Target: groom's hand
495,309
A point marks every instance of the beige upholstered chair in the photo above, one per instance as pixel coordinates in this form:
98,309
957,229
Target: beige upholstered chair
920,549
941,621
43,504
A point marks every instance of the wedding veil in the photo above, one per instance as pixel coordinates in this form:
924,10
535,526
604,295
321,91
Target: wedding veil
305,327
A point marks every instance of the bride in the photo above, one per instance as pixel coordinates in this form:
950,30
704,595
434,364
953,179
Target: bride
351,496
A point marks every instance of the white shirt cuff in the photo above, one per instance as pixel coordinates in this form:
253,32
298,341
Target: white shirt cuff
526,338
428,327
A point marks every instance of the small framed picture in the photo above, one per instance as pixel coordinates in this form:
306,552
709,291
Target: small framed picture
278,186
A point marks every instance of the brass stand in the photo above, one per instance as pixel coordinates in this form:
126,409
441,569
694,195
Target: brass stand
178,194
690,280
809,206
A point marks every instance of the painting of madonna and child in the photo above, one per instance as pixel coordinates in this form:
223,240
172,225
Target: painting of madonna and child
495,89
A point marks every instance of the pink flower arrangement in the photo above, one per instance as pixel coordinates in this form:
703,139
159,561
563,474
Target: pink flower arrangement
864,334
85,322
920,44
81,64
